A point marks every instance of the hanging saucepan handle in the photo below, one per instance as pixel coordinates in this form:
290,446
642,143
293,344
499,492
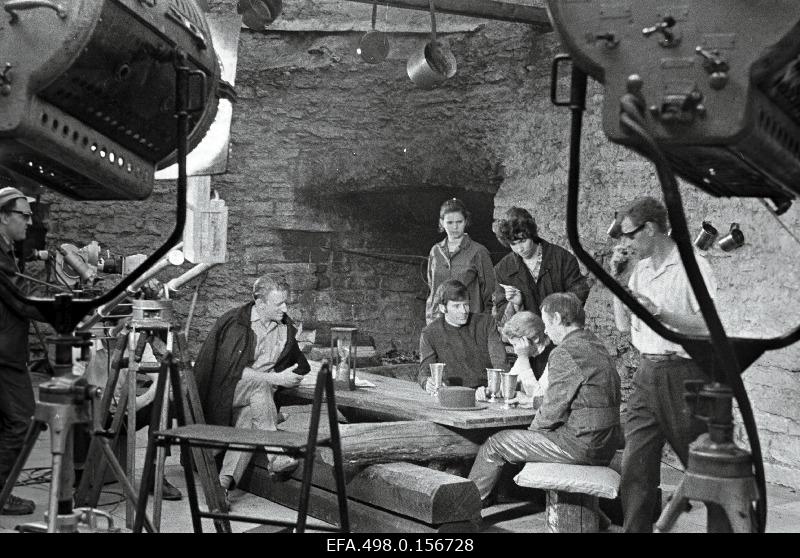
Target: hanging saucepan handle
433,22
373,46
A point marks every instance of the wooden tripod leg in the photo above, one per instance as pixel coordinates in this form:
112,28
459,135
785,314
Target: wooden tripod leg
202,457
161,456
95,469
134,360
127,487
88,493
147,470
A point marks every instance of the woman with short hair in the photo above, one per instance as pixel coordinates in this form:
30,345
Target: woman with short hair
525,331
461,258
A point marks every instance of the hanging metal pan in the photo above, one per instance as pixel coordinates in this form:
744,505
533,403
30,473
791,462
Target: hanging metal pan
258,14
374,45
433,63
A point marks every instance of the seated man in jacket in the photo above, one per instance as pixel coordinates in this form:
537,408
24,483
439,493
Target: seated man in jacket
467,343
578,421
250,353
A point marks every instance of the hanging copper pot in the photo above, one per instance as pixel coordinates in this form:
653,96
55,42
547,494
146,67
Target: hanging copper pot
374,45
432,64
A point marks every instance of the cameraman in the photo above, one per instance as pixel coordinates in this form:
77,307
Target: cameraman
17,403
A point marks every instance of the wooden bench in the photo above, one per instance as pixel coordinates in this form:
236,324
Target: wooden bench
573,493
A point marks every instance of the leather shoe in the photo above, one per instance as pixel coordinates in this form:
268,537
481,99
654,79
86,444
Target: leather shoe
168,491
18,506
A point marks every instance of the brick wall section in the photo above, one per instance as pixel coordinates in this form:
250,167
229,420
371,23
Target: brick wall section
329,154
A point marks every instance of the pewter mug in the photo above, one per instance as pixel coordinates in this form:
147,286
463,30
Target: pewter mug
493,383
508,385
437,375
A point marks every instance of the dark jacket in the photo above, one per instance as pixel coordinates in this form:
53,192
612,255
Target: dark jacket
580,409
559,273
467,350
229,347
14,320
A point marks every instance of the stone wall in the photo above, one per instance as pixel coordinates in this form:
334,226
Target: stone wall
337,169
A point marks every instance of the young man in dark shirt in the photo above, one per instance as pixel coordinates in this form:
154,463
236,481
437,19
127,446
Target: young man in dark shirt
466,343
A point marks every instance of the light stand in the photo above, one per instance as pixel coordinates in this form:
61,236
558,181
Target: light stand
718,473
716,466
67,400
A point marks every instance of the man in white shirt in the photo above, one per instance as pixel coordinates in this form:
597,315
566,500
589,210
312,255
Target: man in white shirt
657,412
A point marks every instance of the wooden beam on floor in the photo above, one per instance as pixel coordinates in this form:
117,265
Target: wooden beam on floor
364,518
531,13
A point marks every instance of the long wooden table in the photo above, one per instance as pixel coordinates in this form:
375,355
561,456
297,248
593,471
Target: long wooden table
395,432
404,400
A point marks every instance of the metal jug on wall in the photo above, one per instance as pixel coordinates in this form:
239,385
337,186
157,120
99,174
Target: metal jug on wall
433,63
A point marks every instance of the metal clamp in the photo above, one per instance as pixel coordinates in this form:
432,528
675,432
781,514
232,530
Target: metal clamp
5,80
195,32
558,60
715,65
609,39
89,516
671,38
12,7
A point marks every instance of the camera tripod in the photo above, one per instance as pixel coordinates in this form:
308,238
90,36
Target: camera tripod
718,472
64,401
726,477
149,327
67,400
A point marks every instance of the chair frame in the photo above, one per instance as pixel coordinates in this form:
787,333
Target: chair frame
324,385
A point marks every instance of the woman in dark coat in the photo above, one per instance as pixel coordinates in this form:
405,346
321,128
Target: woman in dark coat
532,270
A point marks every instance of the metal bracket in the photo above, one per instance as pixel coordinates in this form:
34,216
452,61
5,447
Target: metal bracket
175,15
5,80
20,5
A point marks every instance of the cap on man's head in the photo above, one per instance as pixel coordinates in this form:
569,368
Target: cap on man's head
10,193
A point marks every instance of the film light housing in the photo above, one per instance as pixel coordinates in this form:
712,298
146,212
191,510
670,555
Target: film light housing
719,82
87,92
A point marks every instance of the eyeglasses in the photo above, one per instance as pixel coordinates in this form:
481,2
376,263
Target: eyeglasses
630,234
25,215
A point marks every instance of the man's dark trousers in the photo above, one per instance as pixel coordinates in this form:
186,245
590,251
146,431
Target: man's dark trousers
17,406
657,412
